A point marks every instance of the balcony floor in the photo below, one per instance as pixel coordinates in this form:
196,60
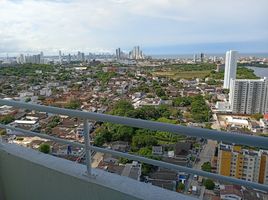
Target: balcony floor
27,174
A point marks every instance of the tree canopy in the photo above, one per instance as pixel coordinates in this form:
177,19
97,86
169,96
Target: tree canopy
44,148
7,119
206,167
209,184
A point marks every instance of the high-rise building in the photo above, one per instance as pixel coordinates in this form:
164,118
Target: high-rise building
21,59
118,54
249,96
136,53
230,67
42,60
202,56
79,56
242,163
60,57
69,58
83,57
34,59
194,58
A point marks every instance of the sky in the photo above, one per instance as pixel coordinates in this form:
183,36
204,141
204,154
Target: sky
158,26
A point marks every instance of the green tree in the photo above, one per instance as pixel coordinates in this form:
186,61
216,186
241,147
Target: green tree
99,140
143,140
73,104
165,120
124,160
3,132
41,98
257,116
102,135
200,110
206,167
181,187
209,184
145,151
7,119
28,99
160,92
147,112
182,101
44,148
123,108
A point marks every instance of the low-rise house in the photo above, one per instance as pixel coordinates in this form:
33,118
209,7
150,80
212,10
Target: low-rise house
136,95
46,92
237,122
164,178
132,170
6,110
120,146
109,159
23,124
264,123
255,126
148,102
157,150
231,192
182,149
70,151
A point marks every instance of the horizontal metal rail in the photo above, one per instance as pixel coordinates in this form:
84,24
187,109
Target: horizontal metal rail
144,160
257,141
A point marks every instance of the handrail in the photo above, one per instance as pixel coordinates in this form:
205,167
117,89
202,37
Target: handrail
257,141
220,136
143,159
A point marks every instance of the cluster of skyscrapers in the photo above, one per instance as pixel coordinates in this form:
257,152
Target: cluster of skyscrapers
201,58
246,96
135,54
33,59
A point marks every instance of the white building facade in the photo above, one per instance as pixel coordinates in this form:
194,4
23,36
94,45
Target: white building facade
230,67
249,96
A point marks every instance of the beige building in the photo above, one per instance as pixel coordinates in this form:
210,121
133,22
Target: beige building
242,163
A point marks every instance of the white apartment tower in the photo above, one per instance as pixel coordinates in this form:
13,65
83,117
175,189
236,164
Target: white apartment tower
249,96
60,58
230,67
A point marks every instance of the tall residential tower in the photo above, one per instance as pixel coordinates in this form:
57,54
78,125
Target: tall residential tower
249,96
230,68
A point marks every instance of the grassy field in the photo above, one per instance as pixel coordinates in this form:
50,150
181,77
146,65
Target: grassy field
174,74
190,71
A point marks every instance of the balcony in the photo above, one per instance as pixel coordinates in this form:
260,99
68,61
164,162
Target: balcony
28,174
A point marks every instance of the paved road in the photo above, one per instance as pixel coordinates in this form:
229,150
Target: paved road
96,159
216,124
206,154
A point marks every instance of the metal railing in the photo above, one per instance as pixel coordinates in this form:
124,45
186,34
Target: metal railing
256,141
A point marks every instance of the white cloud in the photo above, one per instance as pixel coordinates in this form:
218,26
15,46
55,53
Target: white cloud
33,25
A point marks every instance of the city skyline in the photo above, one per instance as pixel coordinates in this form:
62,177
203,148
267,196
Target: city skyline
171,27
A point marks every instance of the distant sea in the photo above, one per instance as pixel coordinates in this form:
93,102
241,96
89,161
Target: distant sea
177,56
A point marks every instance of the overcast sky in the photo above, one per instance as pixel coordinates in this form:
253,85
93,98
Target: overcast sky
158,26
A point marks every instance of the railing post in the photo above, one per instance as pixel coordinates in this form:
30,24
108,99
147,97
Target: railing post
87,145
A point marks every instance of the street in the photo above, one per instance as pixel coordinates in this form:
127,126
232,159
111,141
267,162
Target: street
205,155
